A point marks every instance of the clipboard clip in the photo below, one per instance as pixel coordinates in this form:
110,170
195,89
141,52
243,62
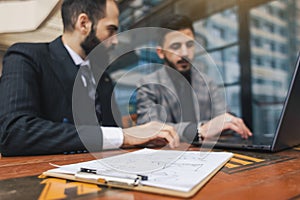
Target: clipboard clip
91,174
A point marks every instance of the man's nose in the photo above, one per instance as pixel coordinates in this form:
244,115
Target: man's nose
183,50
114,40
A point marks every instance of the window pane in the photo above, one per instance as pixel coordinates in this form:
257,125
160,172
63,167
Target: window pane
219,36
274,46
219,29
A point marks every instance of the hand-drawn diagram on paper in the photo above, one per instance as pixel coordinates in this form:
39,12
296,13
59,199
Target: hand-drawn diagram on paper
176,170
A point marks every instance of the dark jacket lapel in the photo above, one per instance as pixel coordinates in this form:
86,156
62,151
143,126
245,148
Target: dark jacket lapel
63,66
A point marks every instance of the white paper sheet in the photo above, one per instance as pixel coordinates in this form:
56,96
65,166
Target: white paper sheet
176,170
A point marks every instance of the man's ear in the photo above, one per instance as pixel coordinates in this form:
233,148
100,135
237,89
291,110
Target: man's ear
160,52
83,24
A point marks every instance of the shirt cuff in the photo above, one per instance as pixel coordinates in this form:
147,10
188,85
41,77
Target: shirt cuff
112,137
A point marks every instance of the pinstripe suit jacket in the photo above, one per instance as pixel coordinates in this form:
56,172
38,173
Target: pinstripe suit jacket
157,99
36,97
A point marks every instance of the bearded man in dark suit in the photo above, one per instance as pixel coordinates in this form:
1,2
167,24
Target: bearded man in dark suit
36,86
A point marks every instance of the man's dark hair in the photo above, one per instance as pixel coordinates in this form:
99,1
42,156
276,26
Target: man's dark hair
71,9
175,22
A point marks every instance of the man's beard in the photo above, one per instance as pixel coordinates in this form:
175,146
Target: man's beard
90,42
183,60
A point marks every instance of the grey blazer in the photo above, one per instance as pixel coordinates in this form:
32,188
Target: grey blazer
157,99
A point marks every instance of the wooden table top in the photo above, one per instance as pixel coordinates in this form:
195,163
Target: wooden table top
248,175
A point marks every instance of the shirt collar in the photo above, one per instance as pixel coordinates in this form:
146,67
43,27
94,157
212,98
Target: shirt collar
75,57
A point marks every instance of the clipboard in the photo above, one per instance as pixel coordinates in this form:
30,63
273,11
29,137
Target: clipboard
136,183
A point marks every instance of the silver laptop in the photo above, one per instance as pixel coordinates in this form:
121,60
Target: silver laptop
287,132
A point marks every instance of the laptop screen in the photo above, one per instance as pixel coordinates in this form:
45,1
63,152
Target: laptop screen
287,134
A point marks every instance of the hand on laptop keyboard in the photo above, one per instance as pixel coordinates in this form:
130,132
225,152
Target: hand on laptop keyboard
227,121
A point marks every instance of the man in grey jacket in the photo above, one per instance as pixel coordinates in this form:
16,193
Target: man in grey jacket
179,94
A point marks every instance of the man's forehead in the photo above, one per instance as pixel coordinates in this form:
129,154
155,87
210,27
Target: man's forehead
112,15
179,36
